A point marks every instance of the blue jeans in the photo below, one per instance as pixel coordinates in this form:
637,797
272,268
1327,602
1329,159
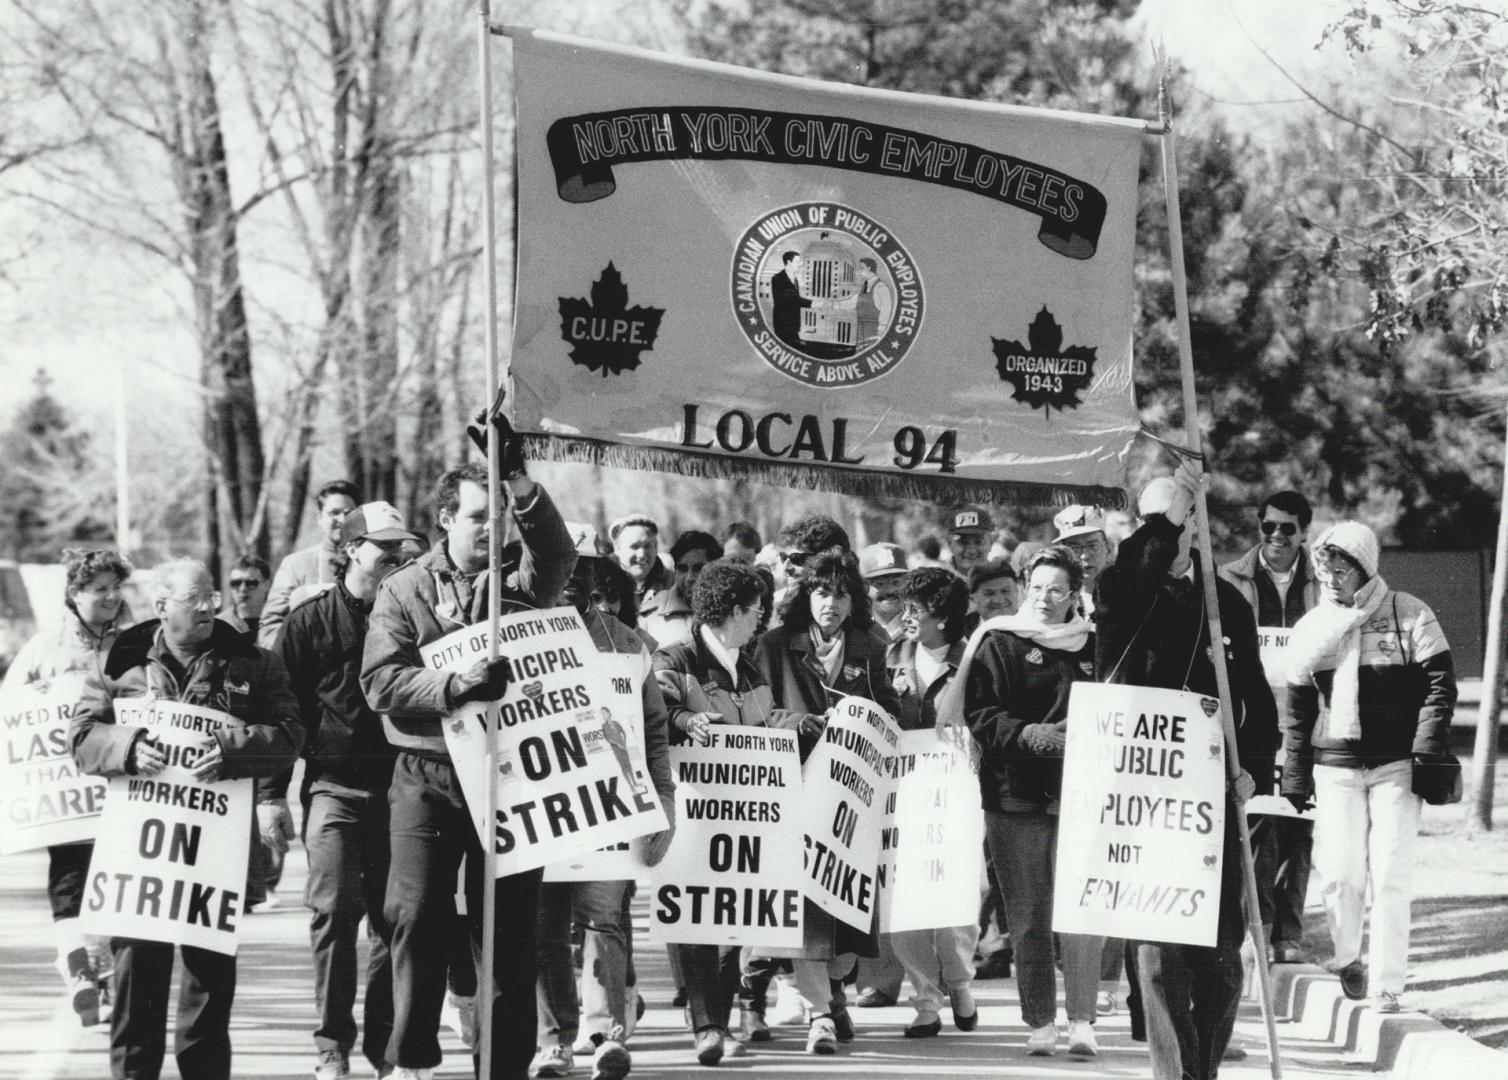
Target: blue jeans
597,907
430,832
347,843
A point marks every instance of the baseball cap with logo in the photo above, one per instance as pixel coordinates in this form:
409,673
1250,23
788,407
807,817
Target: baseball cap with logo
584,538
376,521
881,560
970,519
1078,520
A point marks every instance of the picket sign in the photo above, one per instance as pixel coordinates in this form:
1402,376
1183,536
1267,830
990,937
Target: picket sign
932,847
733,874
170,859
1272,642
47,800
569,778
623,860
846,783
1142,821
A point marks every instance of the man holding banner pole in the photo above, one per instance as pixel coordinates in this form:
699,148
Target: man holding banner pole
185,655
432,829
1153,630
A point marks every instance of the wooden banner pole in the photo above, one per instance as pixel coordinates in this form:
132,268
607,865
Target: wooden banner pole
486,980
1207,561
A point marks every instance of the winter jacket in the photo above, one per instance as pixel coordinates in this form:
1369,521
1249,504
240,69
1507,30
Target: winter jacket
694,681
1406,693
428,599
918,707
1254,583
232,675
70,648
1014,682
321,645
797,681
665,613
300,575
611,636
1152,630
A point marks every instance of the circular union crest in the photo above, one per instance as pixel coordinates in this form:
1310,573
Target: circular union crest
826,295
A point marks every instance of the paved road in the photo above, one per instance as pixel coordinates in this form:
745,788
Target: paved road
274,1004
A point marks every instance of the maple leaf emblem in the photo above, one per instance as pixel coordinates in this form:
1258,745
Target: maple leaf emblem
604,333
1042,372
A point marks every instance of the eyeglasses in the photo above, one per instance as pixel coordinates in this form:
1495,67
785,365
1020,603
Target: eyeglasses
1335,562
244,583
793,558
202,603
1051,593
1287,528
689,568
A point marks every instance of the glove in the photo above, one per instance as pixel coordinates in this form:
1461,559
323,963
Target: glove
812,725
485,680
656,845
275,824
510,447
1243,787
1043,739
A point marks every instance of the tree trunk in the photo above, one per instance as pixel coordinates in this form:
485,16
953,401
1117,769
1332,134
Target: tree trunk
232,428
1485,752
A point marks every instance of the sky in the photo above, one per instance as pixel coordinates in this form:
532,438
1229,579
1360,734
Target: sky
82,308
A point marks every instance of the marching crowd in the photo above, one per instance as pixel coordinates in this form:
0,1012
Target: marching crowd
321,661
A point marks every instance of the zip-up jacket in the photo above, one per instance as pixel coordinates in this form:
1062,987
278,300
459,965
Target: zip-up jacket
1406,695
429,598
321,645
1255,585
694,681
231,675
919,707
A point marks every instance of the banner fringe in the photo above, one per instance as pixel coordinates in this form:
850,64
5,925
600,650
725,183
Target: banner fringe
926,487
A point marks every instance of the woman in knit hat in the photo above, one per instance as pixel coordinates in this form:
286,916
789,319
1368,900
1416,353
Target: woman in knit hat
1371,688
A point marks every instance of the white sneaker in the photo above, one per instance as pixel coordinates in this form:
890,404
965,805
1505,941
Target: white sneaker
1042,1041
611,1061
402,1073
1081,1039
822,1038
332,1065
553,1060
1104,1003
459,1014
585,1045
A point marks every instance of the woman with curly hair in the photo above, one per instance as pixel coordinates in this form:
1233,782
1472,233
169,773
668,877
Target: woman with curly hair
824,650
94,613
708,680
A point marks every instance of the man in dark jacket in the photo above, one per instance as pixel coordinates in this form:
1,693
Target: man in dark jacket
348,764
183,655
1277,580
431,827
1152,630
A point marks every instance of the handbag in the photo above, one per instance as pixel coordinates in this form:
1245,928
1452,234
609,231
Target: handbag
1437,780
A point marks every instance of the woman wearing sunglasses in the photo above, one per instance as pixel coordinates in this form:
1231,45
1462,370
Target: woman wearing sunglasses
825,650
1371,687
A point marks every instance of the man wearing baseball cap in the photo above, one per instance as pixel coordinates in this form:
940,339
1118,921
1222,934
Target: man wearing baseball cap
349,765
1081,529
882,566
969,529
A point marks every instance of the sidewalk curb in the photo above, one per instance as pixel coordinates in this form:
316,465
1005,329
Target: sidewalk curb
1407,1045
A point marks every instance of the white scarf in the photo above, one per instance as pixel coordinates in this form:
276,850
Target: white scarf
1329,626
725,656
1069,636
830,652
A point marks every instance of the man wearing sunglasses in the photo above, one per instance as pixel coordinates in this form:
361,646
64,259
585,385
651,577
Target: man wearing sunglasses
246,594
1277,579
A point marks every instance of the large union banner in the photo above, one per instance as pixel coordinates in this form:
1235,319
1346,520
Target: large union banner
724,272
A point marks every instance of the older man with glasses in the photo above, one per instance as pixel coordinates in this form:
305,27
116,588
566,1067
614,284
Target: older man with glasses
187,655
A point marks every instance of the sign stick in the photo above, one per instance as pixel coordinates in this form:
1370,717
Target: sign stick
487,981
1211,602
